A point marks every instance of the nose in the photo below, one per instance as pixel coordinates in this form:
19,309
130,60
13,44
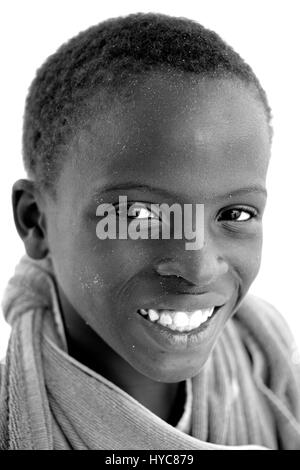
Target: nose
199,267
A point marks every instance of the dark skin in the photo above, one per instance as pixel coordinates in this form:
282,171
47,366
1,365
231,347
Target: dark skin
199,140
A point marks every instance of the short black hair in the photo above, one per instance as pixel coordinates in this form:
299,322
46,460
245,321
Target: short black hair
103,58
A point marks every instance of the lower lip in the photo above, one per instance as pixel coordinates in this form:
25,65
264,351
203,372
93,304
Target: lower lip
177,340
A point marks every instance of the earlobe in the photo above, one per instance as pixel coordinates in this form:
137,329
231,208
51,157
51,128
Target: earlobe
29,218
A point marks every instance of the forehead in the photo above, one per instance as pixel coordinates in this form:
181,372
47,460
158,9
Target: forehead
174,130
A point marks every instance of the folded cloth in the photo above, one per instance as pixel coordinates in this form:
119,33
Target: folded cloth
247,395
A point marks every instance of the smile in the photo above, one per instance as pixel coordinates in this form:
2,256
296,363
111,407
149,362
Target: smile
180,321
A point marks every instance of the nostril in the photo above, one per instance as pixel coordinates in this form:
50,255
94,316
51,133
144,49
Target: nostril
172,284
168,268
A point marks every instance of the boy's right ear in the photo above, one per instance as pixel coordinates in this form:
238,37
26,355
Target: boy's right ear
29,218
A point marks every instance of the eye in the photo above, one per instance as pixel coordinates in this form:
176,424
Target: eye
137,211
237,214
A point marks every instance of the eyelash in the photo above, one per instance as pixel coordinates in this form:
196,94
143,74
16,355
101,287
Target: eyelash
251,211
139,206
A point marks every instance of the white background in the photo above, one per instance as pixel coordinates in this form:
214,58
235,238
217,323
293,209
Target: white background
266,34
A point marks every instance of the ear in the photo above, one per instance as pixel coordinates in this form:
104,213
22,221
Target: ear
29,218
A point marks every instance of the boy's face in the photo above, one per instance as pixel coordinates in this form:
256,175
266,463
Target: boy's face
200,142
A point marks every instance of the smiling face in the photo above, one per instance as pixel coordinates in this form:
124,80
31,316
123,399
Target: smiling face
195,141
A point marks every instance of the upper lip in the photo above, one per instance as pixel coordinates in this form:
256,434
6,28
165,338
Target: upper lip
187,304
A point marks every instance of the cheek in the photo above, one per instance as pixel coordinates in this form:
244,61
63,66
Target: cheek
246,258
92,272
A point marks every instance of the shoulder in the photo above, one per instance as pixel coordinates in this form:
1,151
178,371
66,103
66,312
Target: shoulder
275,364
3,407
264,320
268,340
2,370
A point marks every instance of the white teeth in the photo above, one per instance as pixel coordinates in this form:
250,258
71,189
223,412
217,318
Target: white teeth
143,311
209,311
196,319
165,319
204,316
153,315
179,321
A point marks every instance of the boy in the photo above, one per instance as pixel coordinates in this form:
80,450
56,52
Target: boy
137,342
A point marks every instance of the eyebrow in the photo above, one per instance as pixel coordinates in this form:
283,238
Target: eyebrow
254,188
